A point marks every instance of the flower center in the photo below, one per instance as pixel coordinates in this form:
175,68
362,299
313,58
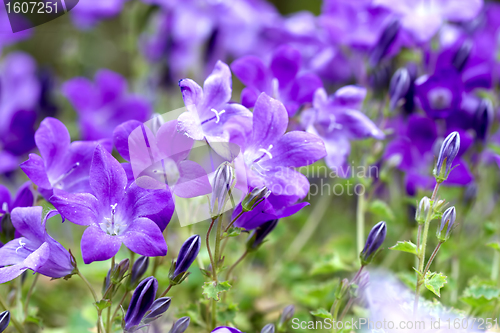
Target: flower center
5,207
216,117
59,182
333,124
112,226
255,163
440,98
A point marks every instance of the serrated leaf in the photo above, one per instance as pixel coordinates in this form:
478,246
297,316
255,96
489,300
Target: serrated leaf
232,232
405,246
322,313
212,289
382,209
434,282
479,295
495,246
103,304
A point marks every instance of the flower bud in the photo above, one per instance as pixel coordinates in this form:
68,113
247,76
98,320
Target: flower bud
142,299
269,328
223,182
255,197
138,269
384,42
4,320
180,325
447,222
462,55
159,307
226,329
439,206
187,254
375,239
287,315
423,210
483,118
448,152
399,86
119,270
258,235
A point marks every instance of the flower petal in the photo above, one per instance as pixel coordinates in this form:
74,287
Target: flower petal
97,245
121,135
171,143
147,196
33,262
285,64
191,92
350,97
52,139
79,208
28,221
217,88
270,120
193,180
24,197
288,182
252,72
145,238
34,168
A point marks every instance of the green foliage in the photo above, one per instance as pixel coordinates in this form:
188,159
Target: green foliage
322,313
480,293
212,289
329,265
495,246
406,246
434,282
381,209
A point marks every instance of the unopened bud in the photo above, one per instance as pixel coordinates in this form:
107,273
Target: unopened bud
384,42
181,325
138,269
142,299
483,118
423,210
255,197
224,181
287,315
187,254
448,152
4,320
462,55
258,235
269,328
399,86
447,224
158,308
118,272
375,239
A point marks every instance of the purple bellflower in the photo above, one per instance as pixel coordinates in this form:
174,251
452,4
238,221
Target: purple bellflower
4,320
422,18
115,213
105,104
181,325
281,79
35,250
226,329
64,164
142,299
187,254
168,149
208,109
88,14
269,154
337,120
24,198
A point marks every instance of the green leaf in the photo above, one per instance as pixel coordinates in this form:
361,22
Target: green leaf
330,264
226,313
379,207
495,246
232,232
103,304
434,282
479,295
322,313
213,289
405,246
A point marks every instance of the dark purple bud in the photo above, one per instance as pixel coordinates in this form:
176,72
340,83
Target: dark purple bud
409,104
255,197
448,152
259,234
138,269
223,183
118,271
447,222
462,55
180,325
187,254
384,42
4,320
375,239
142,299
399,86
269,328
287,315
159,307
483,118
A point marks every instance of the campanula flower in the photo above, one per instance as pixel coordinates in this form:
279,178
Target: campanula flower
208,109
87,15
115,213
105,104
399,86
223,183
226,329
35,249
157,309
375,239
447,224
282,79
24,198
254,197
449,150
187,255
142,299
423,210
63,164
181,325
337,120
269,328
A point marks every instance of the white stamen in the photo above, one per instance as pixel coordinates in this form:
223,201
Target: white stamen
267,151
5,207
217,114
333,124
21,245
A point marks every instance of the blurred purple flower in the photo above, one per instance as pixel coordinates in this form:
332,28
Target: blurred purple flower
104,105
226,329
64,164
282,79
35,250
7,37
423,18
208,109
88,13
24,198
337,120
115,214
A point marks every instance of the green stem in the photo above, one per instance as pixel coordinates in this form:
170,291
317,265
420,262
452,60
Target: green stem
208,246
495,267
166,290
214,314
14,321
96,300
28,296
118,306
421,251
217,248
228,275
360,222
431,259
234,220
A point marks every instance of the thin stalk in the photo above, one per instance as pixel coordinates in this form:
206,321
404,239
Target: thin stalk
94,295
208,246
28,296
421,251
346,308
228,275
234,220
217,248
109,289
166,290
119,305
214,314
433,255
360,222
14,321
